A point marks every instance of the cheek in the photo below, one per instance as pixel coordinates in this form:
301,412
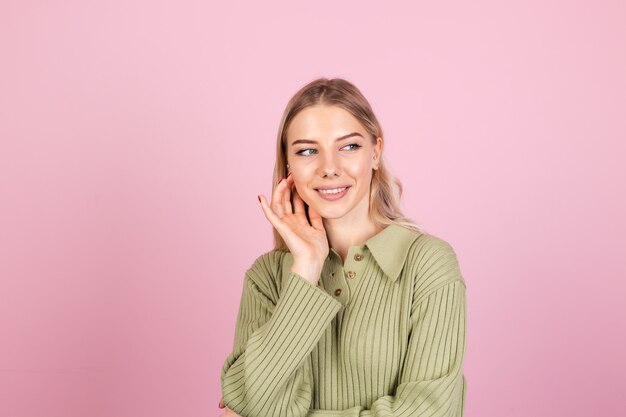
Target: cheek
301,178
299,188
360,171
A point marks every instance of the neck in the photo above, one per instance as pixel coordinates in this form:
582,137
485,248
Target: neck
343,233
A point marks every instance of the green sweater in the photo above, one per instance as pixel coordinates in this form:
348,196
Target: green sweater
381,335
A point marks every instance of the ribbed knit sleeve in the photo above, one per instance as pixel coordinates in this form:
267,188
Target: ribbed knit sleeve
267,373
431,382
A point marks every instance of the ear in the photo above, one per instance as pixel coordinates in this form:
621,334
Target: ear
378,150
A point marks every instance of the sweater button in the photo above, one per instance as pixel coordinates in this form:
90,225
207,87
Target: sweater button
358,256
338,292
351,274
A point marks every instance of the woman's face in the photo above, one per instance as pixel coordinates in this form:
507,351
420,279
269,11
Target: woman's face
328,148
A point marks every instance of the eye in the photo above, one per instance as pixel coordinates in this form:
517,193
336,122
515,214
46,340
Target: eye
302,152
357,146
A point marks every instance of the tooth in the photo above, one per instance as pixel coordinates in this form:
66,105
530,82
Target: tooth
333,191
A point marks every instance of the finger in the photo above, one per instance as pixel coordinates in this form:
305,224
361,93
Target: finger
277,198
231,413
221,404
316,219
287,195
299,209
269,213
298,203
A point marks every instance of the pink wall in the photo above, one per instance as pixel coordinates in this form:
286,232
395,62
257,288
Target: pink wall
136,135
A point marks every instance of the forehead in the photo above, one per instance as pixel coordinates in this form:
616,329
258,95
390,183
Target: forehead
323,122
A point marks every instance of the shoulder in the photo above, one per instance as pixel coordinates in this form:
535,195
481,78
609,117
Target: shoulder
429,244
266,271
434,264
267,263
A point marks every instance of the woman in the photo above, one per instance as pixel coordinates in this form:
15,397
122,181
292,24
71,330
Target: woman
356,311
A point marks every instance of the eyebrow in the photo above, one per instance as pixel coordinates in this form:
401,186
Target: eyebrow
349,135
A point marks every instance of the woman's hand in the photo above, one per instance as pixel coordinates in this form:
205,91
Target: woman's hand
307,243
228,412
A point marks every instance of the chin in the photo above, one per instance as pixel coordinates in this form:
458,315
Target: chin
330,209
327,213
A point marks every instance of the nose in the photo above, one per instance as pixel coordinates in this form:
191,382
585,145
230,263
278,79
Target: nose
329,165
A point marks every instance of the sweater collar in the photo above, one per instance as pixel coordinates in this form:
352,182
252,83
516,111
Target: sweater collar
389,248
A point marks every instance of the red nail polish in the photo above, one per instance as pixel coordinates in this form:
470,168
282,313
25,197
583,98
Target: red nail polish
259,197
281,180
289,173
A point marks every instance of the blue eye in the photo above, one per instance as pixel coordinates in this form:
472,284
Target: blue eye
301,152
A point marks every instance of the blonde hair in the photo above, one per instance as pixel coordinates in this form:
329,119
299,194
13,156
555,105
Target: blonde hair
385,189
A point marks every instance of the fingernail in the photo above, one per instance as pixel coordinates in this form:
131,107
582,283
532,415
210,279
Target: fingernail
259,197
289,173
281,180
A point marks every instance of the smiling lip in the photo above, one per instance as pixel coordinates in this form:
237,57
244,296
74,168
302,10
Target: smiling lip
333,197
331,188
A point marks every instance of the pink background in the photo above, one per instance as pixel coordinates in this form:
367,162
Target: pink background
136,135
